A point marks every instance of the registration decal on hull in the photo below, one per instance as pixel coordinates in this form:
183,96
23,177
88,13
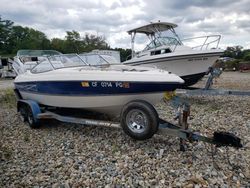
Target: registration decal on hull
106,84
85,84
198,59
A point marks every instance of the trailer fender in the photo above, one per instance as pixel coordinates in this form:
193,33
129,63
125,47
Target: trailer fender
35,108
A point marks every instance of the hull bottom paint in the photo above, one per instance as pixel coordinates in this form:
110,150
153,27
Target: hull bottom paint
192,79
108,104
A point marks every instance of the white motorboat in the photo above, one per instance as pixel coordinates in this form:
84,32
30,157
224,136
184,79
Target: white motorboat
27,59
68,81
170,53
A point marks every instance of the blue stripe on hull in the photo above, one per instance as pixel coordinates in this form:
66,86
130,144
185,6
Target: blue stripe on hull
80,88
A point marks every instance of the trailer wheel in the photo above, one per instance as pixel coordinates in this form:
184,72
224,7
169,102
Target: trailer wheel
23,112
27,115
30,118
139,120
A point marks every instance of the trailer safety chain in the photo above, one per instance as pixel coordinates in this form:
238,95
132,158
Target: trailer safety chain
213,152
235,167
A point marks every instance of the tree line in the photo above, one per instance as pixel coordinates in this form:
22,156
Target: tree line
14,38
237,52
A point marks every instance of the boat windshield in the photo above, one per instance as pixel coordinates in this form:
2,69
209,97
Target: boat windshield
44,66
72,60
37,53
96,59
66,61
162,41
58,62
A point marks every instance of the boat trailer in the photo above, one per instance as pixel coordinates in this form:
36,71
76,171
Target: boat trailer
33,114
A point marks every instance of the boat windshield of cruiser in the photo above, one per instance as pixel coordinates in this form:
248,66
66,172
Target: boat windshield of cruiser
188,58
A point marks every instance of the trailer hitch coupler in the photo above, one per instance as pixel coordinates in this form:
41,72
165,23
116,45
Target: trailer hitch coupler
226,139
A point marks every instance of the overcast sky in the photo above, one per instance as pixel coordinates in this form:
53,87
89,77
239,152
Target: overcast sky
112,18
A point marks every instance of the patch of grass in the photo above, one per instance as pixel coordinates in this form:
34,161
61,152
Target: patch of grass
8,98
5,153
26,137
115,148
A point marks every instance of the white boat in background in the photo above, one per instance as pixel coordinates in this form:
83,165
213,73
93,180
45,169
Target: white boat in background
27,59
68,81
171,54
6,70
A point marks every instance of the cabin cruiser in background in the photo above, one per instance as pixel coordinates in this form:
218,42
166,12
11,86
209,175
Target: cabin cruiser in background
27,59
71,81
174,55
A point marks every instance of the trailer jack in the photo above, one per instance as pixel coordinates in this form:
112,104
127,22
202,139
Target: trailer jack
183,132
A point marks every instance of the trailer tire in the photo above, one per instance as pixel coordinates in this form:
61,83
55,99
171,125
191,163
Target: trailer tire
31,119
27,115
22,109
139,120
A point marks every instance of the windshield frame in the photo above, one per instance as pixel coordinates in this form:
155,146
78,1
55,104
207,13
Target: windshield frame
37,53
50,61
67,55
161,41
100,57
80,58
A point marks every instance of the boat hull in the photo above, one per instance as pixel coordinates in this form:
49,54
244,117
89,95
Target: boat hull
191,68
192,79
110,104
102,96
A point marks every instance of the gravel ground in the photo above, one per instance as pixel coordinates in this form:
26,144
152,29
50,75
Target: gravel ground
66,155
229,80
6,83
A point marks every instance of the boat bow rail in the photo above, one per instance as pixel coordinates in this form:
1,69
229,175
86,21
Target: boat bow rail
205,42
